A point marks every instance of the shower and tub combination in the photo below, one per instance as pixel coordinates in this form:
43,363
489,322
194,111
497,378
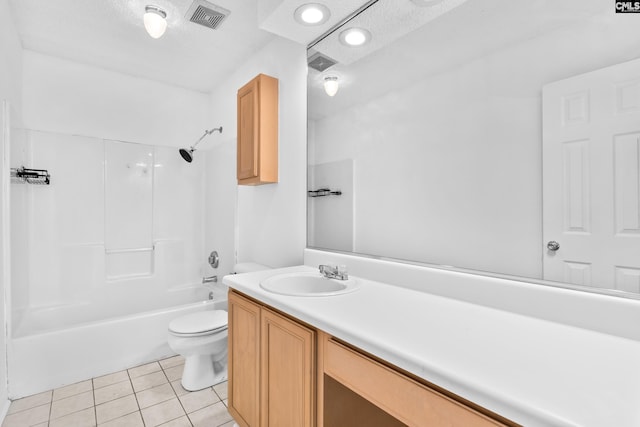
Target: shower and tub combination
103,257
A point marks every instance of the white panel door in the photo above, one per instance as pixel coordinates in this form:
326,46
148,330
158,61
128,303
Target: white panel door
591,178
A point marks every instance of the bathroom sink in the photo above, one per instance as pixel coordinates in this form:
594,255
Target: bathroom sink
309,284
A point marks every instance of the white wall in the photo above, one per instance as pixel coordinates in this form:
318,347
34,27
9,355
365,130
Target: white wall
270,219
10,90
72,98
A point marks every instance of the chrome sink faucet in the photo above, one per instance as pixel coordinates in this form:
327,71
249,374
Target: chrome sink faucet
334,272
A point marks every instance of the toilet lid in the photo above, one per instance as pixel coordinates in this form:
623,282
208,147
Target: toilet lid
199,322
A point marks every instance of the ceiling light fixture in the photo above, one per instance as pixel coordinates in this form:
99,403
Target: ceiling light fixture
155,21
355,37
331,85
312,14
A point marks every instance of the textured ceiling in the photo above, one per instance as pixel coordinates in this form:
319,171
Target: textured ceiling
387,20
276,17
110,34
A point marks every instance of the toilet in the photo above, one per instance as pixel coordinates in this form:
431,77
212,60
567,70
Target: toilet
201,338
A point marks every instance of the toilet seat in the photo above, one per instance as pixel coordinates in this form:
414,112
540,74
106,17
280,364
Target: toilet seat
198,324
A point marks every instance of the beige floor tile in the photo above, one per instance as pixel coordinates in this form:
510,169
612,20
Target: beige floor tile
68,405
132,420
172,361
72,389
141,370
28,417
155,395
226,402
178,422
147,381
42,425
162,413
30,402
221,390
106,380
229,424
177,387
85,418
113,391
198,399
174,373
116,408
213,415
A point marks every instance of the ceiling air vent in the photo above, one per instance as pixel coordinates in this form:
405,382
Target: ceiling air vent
207,14
320,62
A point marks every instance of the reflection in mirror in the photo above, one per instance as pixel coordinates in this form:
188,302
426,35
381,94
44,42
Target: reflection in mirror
476,134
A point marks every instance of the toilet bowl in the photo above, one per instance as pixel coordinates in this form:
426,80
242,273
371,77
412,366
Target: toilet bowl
201,338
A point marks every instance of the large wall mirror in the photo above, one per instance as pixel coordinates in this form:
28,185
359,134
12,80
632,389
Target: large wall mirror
497,136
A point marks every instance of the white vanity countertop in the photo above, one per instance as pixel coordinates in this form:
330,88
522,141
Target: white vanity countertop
534,372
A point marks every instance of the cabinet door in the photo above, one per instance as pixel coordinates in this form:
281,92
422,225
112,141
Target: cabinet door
248,130
288,374
244,361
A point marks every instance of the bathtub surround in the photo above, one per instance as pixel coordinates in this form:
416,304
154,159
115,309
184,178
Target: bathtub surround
117,235
63,100
127,217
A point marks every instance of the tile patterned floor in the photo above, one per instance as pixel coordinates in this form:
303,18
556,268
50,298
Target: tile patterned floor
145,396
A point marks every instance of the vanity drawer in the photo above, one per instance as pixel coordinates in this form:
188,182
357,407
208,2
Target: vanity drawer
410,402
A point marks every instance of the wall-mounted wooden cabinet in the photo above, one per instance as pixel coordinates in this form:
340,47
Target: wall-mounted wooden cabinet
258,131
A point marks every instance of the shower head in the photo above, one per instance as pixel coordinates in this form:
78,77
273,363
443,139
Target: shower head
187,155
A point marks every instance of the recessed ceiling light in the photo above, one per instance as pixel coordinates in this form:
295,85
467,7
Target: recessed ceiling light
312,14
355,36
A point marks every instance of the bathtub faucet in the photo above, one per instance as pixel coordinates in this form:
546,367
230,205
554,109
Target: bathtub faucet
210,279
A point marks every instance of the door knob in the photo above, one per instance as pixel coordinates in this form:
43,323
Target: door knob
553,245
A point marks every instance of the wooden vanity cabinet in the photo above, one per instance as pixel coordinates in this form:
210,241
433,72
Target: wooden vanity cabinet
403,400
257,105
271,367
244,360
285,374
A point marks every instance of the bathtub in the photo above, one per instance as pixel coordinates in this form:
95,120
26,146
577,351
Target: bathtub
50,348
